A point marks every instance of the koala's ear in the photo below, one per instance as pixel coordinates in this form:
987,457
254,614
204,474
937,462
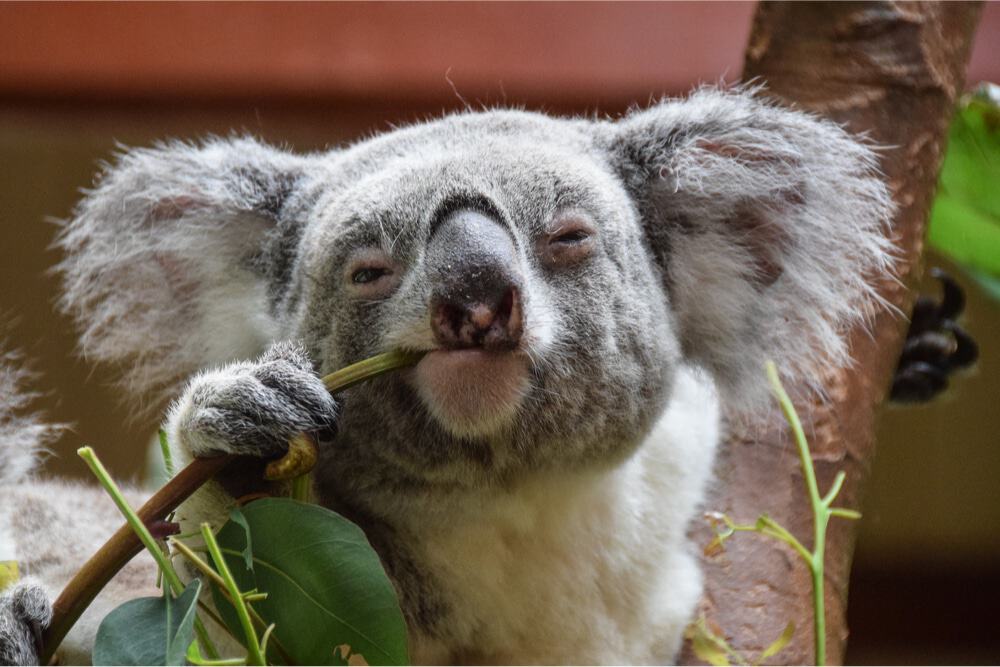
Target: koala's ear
769,226
179,257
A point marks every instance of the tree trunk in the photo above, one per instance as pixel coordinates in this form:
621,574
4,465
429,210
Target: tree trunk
893,71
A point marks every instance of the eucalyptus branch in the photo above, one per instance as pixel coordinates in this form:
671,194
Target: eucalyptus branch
94,575
195,658
132,519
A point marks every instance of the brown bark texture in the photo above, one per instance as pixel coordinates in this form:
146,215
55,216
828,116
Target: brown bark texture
893,71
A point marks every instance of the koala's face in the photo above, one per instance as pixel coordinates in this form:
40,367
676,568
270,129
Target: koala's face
503,246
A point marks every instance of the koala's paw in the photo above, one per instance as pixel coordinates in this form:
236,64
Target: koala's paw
936,346
253,408
25,611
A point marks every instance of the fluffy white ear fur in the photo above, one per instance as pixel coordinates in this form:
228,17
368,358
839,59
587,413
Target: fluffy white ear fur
769,226
23,434
160,258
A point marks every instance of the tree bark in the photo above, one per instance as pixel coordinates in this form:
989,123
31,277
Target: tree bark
893,71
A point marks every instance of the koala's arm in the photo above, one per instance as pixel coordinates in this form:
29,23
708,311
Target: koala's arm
770,227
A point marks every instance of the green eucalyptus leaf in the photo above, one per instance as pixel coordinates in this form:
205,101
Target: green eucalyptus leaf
965,219
148,631
325,584
236,516
989,283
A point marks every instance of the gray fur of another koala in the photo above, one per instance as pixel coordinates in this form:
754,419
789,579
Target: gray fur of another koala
50,528
25,608
724,230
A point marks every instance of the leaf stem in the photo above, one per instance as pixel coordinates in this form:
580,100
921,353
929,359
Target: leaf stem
821,513
212,575
168,458
133,520
195,658
369,368
831,495
139,528
300,488
254,655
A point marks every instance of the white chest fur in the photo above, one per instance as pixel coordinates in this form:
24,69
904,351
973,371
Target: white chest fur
586,568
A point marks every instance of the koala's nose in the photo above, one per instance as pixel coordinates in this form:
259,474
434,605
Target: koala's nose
476,298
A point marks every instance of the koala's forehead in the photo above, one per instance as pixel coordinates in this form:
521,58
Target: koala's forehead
525,165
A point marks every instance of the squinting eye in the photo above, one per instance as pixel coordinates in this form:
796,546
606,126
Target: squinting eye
574,236
368,275
572,239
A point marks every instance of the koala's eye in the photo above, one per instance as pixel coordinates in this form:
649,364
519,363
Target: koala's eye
574,236
368,275
371,273
571,239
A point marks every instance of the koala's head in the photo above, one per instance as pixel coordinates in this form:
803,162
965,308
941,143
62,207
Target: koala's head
505,245
556,271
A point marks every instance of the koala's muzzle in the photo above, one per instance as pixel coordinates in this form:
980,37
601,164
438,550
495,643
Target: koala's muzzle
477,287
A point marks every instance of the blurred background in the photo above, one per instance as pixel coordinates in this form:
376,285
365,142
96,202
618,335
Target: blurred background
75,79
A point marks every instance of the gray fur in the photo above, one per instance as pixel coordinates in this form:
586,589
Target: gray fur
763,189
725,231
254,408
24,434
162,242
25,611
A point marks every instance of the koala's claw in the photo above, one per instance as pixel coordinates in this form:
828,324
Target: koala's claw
25,611
936,346
255,407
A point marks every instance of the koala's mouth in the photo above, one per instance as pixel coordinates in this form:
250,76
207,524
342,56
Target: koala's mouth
472,391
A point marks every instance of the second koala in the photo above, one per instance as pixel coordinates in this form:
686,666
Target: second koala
592,296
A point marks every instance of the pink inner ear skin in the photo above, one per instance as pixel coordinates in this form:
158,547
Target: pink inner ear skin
173,208
764,240
178,279
737,152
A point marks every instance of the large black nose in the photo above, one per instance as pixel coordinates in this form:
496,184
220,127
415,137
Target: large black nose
477,286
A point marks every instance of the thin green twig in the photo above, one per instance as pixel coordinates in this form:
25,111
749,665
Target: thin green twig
148,541
254,655
168,458
822,511
206,569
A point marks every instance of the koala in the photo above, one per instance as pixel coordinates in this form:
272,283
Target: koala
24,609
595,299
49,528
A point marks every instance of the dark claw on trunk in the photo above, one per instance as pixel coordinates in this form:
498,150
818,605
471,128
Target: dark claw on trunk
935,345
918,383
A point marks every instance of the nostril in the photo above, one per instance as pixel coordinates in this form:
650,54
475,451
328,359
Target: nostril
505,307
504,332
496,326
448,322
513,322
